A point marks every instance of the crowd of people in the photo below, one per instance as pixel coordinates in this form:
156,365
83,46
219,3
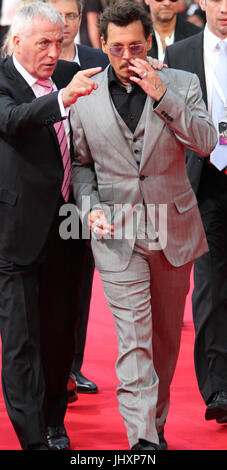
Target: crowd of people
113,114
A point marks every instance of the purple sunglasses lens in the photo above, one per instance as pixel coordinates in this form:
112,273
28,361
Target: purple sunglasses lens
135,49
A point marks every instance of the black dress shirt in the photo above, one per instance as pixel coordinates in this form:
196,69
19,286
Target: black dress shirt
129,101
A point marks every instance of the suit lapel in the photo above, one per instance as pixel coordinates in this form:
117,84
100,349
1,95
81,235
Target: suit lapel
25,92
153,52
179,30
153,128
63,74
108,124
83,58
197,61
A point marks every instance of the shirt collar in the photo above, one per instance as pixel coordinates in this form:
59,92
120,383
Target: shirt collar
211,40
112,79
76,57
25,74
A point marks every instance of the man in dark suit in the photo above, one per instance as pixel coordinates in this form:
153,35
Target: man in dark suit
37,312
168,26
85,57
200,54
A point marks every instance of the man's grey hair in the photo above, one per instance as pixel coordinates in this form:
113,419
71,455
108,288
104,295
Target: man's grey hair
25,16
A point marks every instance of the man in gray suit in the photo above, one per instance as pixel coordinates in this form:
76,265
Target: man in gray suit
132,189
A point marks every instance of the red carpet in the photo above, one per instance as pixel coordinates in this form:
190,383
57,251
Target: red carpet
94,423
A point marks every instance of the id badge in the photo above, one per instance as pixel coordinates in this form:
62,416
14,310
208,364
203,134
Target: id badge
222,132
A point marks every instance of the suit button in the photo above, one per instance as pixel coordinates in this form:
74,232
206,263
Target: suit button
142,177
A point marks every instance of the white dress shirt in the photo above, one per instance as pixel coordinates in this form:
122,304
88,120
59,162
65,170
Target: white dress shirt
210,58
168,40
76,57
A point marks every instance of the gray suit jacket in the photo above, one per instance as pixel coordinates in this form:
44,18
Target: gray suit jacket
106,171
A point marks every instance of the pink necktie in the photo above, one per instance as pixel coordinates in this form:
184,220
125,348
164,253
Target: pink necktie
62,139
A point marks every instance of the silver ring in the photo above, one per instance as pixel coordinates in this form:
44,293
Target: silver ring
144,75
96,223
96,230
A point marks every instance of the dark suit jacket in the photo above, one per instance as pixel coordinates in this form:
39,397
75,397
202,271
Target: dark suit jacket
188,55
31,168
91,57
183,30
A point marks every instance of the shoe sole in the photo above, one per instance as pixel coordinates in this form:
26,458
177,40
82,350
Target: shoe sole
222,420
163,446
72,399
55,448
216,412
86,390
72,396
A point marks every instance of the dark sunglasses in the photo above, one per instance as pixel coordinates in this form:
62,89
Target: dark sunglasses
135,49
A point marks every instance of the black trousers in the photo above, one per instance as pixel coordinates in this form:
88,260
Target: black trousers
84,287
38,305
209,297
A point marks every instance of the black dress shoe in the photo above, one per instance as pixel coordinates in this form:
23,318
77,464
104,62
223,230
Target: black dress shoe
72,389
57,438
37,447
145,445
217,407
222,420
84,385
162,442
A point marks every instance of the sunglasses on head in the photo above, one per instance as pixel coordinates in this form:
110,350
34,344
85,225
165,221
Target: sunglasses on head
135,49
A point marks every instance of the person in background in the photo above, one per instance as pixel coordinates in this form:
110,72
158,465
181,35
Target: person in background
7,11
71,12
197,17
195,14
134,175
85,57
89,34
168,26
205,54
38,269
7,41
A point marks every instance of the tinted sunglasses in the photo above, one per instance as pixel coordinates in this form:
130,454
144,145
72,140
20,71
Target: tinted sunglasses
174,1
135,49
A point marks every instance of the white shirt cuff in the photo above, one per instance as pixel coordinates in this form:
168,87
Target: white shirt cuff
64,111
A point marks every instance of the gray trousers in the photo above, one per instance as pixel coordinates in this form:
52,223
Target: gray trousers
147,301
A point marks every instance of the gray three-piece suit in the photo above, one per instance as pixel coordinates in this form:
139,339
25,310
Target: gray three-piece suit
140,181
